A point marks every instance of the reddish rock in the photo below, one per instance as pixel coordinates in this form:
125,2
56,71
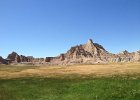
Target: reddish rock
14,57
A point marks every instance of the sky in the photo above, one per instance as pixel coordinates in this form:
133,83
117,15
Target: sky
43,28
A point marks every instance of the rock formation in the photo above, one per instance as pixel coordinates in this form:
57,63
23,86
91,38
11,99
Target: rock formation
123,56
2,61
88,53
14,57
137,56
91,53
23,58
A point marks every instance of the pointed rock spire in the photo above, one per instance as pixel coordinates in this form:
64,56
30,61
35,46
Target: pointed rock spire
90,47
90,41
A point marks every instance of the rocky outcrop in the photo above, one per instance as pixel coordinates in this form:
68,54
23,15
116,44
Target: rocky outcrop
38,60
123,56
48,59
23,58
137,56
14,57
90,47
2,61
89,53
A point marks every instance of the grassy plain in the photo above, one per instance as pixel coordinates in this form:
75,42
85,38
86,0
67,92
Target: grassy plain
80,82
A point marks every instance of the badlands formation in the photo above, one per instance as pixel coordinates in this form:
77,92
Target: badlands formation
89,53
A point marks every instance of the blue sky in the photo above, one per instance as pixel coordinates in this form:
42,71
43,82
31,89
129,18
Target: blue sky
49,27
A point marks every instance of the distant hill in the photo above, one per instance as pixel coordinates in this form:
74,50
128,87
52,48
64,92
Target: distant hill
89,53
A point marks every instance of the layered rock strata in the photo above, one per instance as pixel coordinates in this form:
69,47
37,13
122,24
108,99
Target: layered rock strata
89,53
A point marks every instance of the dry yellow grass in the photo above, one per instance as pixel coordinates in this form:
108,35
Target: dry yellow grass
53,71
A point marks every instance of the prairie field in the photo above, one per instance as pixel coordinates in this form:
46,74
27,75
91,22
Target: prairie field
114,81
97,70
